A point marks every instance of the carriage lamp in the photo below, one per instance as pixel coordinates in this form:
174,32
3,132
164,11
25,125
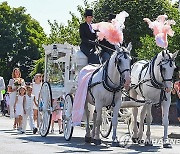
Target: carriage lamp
54,53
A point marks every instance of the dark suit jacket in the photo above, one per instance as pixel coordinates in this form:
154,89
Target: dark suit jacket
87,48
86,34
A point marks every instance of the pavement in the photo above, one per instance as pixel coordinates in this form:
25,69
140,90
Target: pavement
12,142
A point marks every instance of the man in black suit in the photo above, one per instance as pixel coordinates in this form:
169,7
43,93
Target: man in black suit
106,53
86,34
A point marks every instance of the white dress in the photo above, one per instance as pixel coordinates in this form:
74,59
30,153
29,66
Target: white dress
35,91
12,96
19,106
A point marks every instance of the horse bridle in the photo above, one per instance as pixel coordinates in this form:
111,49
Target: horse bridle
117,63
161,63
152,79
105,78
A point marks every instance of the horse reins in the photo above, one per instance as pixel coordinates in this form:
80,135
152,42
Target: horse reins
152,79
105,78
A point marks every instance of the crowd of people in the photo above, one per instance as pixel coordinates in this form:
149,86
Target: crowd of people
21,102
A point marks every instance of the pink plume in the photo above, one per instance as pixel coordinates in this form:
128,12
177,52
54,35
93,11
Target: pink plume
161,28
112,32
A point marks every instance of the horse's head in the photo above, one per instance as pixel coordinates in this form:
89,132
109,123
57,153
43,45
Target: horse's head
122,62
166,64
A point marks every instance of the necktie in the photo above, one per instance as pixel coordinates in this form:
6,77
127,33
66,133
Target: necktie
91,29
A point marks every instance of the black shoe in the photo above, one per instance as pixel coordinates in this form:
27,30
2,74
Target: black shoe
35,130
22,132
60,131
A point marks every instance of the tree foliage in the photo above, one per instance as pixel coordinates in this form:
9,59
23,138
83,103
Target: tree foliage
61,33
69,33
21,39
137,9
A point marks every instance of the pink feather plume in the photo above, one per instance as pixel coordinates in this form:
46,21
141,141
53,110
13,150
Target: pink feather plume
112,31
161,28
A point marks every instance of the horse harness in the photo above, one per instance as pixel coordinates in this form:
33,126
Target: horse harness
105,78
154,82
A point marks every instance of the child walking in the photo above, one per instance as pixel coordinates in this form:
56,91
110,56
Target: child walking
18,106
30,100
36,87
56,115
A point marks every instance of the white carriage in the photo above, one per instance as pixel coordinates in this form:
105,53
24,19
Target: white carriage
62,65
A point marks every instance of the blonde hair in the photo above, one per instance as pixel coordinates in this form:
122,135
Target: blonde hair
13,72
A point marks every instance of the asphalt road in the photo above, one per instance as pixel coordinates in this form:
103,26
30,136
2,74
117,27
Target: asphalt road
11,142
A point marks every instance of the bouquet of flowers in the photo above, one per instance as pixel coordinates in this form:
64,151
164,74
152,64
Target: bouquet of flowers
17,83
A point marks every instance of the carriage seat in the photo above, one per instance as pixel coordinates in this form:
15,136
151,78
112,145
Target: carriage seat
81,59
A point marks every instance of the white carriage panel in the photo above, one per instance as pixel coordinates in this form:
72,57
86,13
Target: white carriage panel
57,91
70,87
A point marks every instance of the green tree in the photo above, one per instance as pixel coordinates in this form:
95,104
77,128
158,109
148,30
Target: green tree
70,33
136,29
21,39
61,33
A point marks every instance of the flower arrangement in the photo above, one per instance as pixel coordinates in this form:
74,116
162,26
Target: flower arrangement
17,82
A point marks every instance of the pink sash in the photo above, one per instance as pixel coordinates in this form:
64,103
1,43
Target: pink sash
81,93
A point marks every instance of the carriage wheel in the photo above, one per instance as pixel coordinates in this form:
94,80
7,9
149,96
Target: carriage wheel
106,125
67,117
45,109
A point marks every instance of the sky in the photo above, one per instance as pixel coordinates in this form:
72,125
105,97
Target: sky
44,10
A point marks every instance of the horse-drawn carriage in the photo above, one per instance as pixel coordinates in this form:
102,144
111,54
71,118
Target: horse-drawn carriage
60,81
62,65
150,80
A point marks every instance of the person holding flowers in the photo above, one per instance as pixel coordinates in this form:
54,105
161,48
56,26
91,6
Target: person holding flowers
13,86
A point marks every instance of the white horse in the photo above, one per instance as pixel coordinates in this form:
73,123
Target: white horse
153,81
105,90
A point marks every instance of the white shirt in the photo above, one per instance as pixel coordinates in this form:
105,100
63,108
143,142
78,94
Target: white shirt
29,102
91,29
36,89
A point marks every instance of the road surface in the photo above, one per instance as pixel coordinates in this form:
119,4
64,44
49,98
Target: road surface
11,142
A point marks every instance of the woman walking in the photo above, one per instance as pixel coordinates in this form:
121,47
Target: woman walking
13,85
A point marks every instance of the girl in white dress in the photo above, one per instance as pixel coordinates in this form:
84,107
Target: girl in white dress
13,85
18,106
36,87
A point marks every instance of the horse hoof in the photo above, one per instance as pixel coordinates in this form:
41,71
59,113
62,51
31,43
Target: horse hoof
135,140
148,144
167,145
140,141
87,139
97,142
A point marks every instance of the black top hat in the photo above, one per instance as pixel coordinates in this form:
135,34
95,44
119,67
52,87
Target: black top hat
111,16
88,12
